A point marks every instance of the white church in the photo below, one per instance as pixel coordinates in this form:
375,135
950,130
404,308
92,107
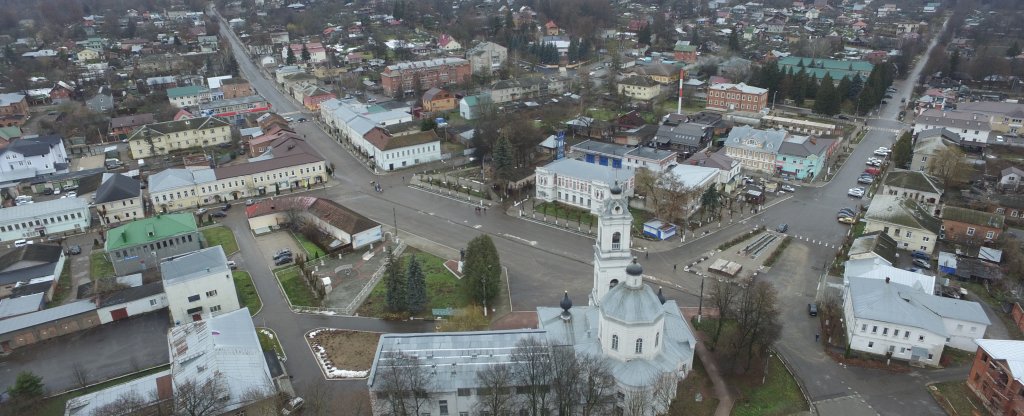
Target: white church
643,336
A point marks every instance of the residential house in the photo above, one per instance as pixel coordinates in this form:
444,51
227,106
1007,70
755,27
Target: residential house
755,149
141,244
617,156
198,285
973,128
905,220
349,229
684,52
639,88
161,83
401,150
45,218
162,138
660,72
34,157
437,100
31,269
87,55
447,43
316,50
875,246
234,109
880,269
686,138
189,96
102,102
61,92
696,179
486,57
313,95
894,320
1003,117
580,184
728,168
929,144
916,185
1011,177
523,88
969,226
258,145
550,28
997,375
121,127
236,88
737,97
13,109
404,77
472,106
804,157
119,198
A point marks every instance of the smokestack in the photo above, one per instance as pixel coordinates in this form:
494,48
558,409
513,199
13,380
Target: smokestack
679,108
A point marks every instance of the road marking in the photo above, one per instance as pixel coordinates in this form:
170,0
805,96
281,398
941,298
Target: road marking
477,226
530,242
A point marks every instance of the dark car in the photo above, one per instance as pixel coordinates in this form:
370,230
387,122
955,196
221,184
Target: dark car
47,191
219,214
302,119
924,264
226,207
283,253
812,309
918,254
75,250
782,228
282,260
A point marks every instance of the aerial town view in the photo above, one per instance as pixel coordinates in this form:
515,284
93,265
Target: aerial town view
511,207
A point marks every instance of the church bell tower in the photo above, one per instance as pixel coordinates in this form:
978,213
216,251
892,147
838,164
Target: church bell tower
612,248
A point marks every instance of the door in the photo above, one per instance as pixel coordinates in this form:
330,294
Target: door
119,314
197,317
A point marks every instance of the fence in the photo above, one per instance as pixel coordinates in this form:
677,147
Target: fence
352,306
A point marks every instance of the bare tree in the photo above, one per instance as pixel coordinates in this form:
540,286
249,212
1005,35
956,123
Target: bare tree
201,398
652,399
665,195
597,386
950,165
533,373
128,403
262,401
404,384
757,320
497,397
80,374
722,295
566,379
663,391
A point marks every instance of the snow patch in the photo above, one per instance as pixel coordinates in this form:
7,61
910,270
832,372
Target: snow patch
328,367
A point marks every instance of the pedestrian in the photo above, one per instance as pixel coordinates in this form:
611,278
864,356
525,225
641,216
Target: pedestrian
647,255
485,210
674,267
816,337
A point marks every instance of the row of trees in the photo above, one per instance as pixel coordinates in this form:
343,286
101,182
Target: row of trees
406,289
830,96
538,378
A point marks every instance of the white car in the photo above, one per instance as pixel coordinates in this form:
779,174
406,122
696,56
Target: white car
856,192
289,119
881,152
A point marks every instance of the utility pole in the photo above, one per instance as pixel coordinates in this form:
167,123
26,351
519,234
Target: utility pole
394,213
700,303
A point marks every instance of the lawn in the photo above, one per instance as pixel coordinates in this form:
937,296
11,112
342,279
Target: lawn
442,287
567,212
99,266
697,382
858,228
311,249
63,287
54,406
247,295
956,398
639,218
269,342
780,394
221,236
295,287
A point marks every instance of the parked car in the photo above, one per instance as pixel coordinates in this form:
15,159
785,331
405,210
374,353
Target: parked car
56,191
22,243
922,264
47,191
918,254
249,202
782,228
232,265
846,220
293,405
282,253
226,207
856,192
283,260
788,188
75,250
880,152
812,309
201,211
302,119
289,119
847,212
873,171
866,180
72,194
219,214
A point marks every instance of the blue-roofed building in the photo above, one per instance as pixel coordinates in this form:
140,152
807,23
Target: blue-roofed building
619,156
642,338
580,184
803,157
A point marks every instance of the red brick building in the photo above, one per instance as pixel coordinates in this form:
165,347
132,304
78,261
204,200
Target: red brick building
13,109
969,226
438,100
121,127
236,88
992,377
404,76
737,97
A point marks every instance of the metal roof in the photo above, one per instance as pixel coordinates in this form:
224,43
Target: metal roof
902,211
29,320
889,302
1010,351
199,263
588,171
21,305
42,209
168,179
144,230
116,187
631,305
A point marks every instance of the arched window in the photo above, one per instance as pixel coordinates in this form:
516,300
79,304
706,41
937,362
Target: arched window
615,342
639,345
657,337
616,240
613,283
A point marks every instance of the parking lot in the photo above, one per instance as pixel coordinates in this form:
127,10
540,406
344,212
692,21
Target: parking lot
272,242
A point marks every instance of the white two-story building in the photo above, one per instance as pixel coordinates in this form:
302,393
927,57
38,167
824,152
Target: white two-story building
198,285
32,157
65,215
119,198
580,184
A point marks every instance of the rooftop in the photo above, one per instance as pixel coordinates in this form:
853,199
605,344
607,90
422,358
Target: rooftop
430,63
116,187
21,305
902,211
692,176
197,264
179,92
970,216
588,171
168,127
1009,351
150,229
883,301
333,213
741,87
913,180
42,209
29,320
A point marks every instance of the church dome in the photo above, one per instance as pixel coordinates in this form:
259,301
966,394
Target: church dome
634,269
616,189
632,305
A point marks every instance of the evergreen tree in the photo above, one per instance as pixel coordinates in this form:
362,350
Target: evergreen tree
395,282
290,58
481,279
734,42
786,84
812,86
305,54
799,89
954,62
902,151
643,36
416,297
843,90
584,52
27,386
573,54
856,86
695,38
502,159
826,102
1013,50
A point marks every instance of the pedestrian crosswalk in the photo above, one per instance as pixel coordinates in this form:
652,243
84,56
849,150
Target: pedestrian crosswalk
885,129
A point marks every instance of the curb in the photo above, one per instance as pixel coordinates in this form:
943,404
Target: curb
275,338
320,363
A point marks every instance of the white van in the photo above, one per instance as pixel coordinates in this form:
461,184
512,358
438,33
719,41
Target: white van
22,243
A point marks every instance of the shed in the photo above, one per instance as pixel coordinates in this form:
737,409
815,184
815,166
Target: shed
659,229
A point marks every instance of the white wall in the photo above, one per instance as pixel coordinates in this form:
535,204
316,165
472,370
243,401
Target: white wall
178,293
916,241
26,227
119,211
135,307
963,333
407,156
628,335
867,336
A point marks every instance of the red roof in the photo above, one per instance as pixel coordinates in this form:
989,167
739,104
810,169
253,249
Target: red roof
551,25
324,209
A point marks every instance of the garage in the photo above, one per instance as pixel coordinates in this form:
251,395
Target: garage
119,314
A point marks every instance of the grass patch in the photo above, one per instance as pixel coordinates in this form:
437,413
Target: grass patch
777,253
979,290
269,342
956,398
310,247
779,395
639,218
566,212
442,287
247,295
100,266
295,287
740,238
221,236
955,357
63,289
858,228
696,382
54,406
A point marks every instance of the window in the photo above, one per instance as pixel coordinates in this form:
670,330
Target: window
193,298
930,356
616,238
871,344
615,342
908,234
211,293
443,404
874,329
863,327
885,331
464,392
895,332
990,235
215,308
920,338
639,345
657,337
970,230
152,302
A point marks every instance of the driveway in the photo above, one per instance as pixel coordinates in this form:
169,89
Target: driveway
101,353
270,243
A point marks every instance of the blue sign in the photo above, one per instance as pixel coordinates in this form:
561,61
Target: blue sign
560,145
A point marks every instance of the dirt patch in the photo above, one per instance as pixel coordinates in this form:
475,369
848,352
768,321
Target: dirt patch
345,350
894,367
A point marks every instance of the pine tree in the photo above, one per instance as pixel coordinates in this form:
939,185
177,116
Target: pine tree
1013,50
843,90
290,59
481,271
734,42
799,90
643,36
825,101
305,54
395,282
502,159
856,86
812,86
27,386
902,151
954,62
416,297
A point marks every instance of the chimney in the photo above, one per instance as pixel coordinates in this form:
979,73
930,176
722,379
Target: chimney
886,280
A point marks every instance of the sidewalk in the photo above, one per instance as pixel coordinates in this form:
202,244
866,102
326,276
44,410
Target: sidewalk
417,184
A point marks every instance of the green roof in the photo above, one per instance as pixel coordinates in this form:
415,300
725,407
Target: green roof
185,91
150,229
970,216
11,132
819,67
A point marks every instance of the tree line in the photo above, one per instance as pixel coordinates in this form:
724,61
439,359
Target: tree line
850,94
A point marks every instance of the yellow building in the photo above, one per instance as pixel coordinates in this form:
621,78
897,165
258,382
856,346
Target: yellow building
639,88
162,138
